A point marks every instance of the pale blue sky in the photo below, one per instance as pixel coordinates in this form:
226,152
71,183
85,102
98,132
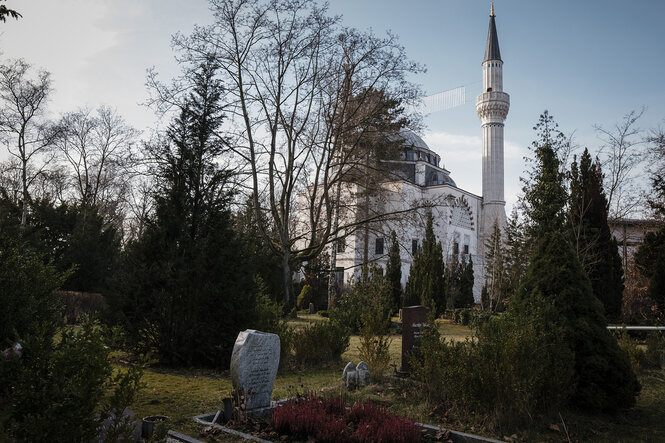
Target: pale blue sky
588,62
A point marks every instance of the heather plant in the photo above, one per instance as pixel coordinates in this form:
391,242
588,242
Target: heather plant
328,420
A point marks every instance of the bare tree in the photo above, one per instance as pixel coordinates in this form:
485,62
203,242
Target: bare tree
95,147
290,73
23,122
621,153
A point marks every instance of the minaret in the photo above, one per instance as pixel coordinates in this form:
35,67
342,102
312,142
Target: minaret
492,108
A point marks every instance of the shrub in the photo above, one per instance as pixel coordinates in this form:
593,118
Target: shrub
78,304
320,343
269,319
374,348
636,355
368,294
604,379
56,392
328,420
305,297
515,367
655,349
324,314
27,294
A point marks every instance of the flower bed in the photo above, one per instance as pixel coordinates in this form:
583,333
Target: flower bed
329,420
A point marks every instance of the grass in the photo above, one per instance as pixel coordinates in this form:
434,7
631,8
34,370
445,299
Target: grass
182,394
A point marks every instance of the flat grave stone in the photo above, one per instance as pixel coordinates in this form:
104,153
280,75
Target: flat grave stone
254,364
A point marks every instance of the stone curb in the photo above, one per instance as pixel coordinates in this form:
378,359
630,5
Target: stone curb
455,436
177,437
201,419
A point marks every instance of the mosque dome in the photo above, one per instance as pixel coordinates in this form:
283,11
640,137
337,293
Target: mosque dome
418,151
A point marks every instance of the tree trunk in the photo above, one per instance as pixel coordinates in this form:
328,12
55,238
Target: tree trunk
24,182
288,282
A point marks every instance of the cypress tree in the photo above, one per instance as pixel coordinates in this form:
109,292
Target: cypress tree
426,283
591,236
544,192
185,290
394,273
604,379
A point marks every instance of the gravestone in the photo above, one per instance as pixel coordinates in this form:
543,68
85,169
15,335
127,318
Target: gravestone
254,364
414,322
312,309
363,374
350,376
356,376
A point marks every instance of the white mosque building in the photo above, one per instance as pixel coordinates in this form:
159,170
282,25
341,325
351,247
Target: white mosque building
462,220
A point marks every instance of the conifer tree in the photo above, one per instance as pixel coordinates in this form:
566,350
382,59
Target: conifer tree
495,269
394,273
186,291
591,236
426,283
604,379
544,192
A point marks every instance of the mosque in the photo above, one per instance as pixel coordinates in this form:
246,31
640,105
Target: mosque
462,220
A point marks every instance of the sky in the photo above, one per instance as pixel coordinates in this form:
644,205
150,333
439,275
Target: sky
588,62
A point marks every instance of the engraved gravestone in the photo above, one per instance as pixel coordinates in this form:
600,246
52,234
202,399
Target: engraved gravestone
254,364
414,322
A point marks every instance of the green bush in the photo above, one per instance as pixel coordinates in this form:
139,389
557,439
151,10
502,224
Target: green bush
56,392
305,297
515,367
604,379
269,319
78,304
324,314
320,343
369,294
637,356
27,294
655,352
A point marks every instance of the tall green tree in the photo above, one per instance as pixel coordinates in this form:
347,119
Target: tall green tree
394,272
426,284
545,195
185,291
604,379
496,269
591,236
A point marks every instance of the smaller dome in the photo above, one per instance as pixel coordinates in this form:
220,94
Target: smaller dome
411,139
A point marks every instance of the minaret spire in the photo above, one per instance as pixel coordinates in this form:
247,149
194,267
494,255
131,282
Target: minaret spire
492,106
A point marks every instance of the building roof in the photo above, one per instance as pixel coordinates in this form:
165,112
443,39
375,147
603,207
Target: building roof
492,49
411,139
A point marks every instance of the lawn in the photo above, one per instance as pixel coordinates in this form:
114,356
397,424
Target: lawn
182,394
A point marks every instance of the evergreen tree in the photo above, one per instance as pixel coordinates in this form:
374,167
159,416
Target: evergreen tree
495,269
604,379
186,292
466,283
650,261
591,236
459,283
517,256
394,273
261,261
426,283
544,192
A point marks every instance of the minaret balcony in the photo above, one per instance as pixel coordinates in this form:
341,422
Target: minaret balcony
492,96
492,106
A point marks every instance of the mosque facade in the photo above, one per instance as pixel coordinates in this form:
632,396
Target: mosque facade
462,220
